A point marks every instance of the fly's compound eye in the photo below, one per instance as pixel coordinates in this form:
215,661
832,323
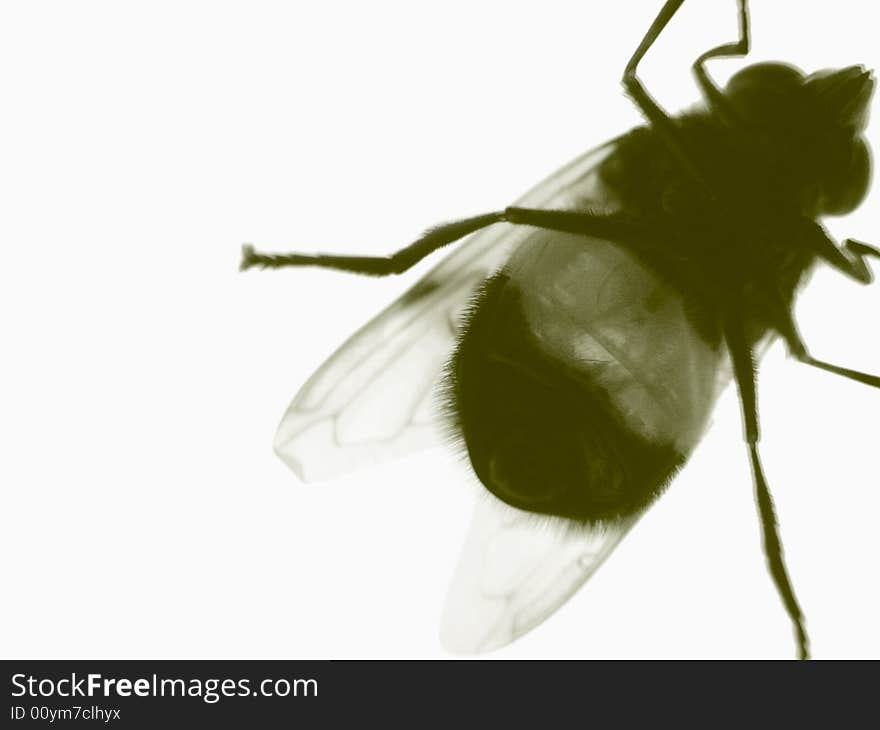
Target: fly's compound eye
845,179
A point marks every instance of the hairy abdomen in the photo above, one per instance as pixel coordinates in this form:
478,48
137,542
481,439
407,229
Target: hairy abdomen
580,383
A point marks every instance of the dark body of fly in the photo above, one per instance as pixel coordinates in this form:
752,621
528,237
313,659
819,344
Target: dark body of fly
588,364
595,433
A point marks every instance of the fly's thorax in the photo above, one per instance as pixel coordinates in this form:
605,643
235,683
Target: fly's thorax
782,145
738,226
737,186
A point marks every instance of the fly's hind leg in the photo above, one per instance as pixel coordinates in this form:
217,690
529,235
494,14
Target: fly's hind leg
744,373
714,97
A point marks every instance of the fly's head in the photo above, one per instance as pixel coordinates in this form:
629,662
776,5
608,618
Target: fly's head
813,125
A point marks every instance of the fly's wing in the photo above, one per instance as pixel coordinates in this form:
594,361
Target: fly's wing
515,571
373,398
596,309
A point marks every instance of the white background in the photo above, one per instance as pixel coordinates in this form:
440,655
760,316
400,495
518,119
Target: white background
144,513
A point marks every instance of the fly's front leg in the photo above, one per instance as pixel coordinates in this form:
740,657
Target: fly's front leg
715,99
659,119
858,263
851,259
650,108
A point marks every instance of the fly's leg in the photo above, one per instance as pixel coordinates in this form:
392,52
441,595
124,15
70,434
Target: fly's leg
659,119
851,259
396,263
714,97
788,330
655,114
611,227
787,327
744,374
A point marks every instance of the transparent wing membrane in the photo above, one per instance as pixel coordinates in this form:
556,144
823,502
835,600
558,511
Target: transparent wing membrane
516,570
373,399
376,398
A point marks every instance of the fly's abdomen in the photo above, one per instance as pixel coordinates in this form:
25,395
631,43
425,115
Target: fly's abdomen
580,384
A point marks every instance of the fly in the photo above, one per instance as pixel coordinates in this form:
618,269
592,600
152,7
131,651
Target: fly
581,336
